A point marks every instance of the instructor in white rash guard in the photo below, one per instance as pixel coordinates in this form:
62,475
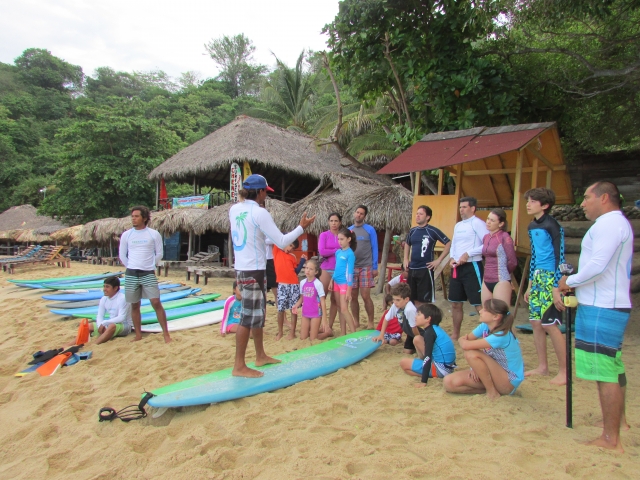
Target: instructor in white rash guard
466,259
140,251
250,226
602,287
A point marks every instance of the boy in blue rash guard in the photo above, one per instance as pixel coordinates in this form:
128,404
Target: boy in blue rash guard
434,347
545,302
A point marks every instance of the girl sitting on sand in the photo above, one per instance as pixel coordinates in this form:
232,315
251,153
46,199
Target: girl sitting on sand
493,353
342,279
312,299
232,312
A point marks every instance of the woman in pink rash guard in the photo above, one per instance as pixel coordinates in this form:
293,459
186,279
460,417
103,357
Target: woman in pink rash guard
327,247
500,258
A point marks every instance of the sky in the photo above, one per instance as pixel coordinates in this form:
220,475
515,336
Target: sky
144,35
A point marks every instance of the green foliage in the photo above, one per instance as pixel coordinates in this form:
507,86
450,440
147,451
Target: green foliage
39,68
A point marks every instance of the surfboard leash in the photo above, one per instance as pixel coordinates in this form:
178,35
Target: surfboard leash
128,413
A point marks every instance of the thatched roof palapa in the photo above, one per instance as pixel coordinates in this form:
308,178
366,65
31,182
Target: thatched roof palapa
25,217
271,151
167,222
390,208
217,218
31,236
69,235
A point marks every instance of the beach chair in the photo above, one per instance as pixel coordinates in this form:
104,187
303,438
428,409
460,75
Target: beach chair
51,255
28,253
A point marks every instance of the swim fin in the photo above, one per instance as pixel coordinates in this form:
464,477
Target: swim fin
29,370
54,364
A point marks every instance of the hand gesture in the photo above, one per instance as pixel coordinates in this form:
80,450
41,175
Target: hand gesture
379,338
294,310
463,258
305,221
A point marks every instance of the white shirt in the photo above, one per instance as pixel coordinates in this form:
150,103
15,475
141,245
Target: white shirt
395,281
118,309
604,269
141,249
269,249
409,313
250,226
467,238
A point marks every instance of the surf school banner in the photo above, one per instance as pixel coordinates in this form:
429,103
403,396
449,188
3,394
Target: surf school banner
197,201
235,182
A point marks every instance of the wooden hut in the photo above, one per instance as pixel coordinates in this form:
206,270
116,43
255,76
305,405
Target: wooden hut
24,217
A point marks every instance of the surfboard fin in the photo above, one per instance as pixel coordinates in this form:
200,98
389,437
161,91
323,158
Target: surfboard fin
53,365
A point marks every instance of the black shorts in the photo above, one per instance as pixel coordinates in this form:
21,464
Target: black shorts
423,286
468,283
271,275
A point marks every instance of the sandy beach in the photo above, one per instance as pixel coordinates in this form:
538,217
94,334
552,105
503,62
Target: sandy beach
366,421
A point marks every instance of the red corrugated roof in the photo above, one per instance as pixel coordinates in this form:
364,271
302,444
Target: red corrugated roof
416,157
431,155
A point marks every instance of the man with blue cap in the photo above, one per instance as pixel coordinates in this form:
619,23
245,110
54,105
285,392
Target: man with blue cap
250,226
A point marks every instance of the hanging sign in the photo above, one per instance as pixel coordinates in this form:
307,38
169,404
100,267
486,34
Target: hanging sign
196,201
246,170
235,183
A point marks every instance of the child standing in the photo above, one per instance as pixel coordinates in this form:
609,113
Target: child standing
342,279
545,303
312,299
232,312
434,347
288,284
405,311
393,332
493,353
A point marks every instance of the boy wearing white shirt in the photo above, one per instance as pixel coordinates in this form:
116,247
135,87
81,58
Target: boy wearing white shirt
113,303
405,311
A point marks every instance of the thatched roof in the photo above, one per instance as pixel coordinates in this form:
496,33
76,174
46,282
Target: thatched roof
217,218
167,222
69,234
32,237
25,217
390,208
10,234
271,151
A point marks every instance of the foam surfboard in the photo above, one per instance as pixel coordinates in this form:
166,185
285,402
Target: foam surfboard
90,295
187,323
88,285
71,279
297,366
94,303
148,318
527,328
169,301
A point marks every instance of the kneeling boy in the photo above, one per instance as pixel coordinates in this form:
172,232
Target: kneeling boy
435,349
119,323
405,311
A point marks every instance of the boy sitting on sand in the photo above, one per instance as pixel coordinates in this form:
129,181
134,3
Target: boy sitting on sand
232,312
119,323
436,352
393,332
405,311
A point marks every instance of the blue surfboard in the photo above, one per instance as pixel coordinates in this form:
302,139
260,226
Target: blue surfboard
90,295
297,366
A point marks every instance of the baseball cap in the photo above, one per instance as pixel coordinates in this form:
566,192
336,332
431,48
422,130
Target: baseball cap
256,182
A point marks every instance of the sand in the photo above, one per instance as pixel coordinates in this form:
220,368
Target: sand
366,421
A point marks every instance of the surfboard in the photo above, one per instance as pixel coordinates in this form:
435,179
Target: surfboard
297,366
148,318
168,300
187,323
527,328
71,279
94,303
90,295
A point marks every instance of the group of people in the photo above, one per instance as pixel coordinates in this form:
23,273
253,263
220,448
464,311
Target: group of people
482,259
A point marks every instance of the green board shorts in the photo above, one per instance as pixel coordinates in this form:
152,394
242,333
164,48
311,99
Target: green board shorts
121,330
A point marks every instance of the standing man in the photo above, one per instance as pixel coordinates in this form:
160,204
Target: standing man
420,244
250,226
466,262
366,266
604,304
140,252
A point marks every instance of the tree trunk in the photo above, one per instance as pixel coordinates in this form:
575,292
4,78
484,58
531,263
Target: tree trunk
383,264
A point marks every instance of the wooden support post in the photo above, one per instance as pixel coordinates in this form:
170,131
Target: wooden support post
440,180
523,282
440,273
417,184
157,195
383,262
549,175
195,185
283,190
516,198
534,174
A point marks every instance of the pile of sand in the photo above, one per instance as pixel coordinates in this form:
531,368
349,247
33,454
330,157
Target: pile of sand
366,421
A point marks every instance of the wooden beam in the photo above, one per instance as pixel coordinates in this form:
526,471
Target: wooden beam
549,174
541,157
506,176
498,171
534,173
383,263
417,183
523,282
440,180
458,193
493,188
517,197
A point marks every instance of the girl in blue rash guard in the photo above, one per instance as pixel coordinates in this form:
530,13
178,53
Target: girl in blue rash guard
493,353
342,279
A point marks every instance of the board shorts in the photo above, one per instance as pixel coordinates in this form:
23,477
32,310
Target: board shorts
341,288
438,370
271,274
363,278
392,336
122,330
423,286
252,283
599,334
467,285
139,284
541,307
288,296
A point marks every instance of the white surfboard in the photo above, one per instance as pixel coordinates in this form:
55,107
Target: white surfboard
185,323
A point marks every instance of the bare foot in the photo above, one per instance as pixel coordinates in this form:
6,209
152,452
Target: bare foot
560,379
370,326
454,338
291,336
167,338
537,371
493,396
624,426
602,442
137,339
266,361
419,385
246,372
279,336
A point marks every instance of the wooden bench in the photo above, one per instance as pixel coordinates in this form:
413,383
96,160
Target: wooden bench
208,272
